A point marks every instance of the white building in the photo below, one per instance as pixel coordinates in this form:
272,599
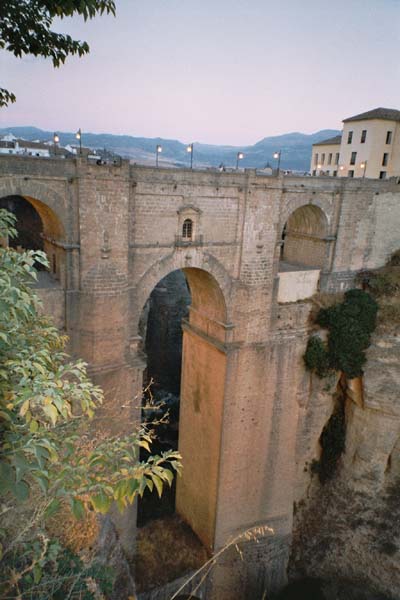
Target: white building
368,147
9,144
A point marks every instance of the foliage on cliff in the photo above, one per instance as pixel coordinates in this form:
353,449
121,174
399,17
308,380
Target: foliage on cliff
384,285
45,402
350,324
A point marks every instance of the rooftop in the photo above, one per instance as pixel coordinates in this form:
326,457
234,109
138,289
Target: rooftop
388,114
334,140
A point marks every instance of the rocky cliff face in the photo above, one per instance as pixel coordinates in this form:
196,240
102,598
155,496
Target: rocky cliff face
347,531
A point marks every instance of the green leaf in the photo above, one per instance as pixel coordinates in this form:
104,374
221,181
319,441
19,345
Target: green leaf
21,490
7,477
158,483
101,502
144,444
37,573
78,508
51,411
52,508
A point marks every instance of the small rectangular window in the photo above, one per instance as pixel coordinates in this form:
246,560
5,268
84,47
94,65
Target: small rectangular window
385,159
389,137
353,158
349,137
363,136
322,158
316,159
334,173
330,158
337,158
351,173
314,172
382,175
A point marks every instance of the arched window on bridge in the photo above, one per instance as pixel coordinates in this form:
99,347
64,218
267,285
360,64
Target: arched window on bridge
187,229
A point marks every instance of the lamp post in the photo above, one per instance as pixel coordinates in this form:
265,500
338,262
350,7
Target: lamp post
56,139
78,136
158,151
277,156
189,149
239,156
364,166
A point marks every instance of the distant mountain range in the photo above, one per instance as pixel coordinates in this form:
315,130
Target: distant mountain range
295,148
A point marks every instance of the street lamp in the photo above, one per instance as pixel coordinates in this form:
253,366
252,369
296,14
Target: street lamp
158,151
239,156
78,136
277,156
364,166
189,149
56,139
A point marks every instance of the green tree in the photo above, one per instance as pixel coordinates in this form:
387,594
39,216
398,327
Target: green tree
25,28
45,402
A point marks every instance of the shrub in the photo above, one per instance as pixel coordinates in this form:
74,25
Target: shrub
350,326
316,357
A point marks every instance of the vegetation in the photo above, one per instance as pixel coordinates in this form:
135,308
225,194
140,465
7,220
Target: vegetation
168,542
25,28
350,324
384,285
46,401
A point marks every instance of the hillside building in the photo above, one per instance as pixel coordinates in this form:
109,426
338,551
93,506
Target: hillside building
9,144
368,147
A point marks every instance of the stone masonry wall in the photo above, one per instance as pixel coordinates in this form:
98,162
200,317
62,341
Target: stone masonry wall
121,230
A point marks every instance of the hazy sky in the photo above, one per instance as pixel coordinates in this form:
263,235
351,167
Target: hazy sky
217,71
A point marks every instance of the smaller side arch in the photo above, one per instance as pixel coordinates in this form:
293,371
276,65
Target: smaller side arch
304,237
48,202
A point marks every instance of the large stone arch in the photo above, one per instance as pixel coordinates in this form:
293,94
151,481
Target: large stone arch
203,385
172,262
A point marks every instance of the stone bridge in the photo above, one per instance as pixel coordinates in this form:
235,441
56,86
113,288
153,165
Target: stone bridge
253,249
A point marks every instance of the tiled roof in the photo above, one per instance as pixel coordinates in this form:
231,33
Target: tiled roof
335,140
28,144
389,114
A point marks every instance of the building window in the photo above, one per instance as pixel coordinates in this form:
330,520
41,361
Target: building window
314,172
330,158
187,229
350,173
363,136
349,137
382,175
337,158
385,159
322,158
334,173
353,158
389,137
316,159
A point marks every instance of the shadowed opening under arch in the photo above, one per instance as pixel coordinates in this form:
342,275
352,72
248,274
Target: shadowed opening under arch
38,228
192,297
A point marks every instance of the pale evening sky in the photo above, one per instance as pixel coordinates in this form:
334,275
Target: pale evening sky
215,71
